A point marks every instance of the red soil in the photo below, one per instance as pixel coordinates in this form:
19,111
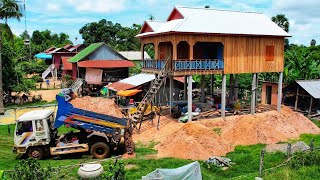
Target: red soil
198,140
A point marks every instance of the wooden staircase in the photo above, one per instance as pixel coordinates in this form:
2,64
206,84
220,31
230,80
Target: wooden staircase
149,97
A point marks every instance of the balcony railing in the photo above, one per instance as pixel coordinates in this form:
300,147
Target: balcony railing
153,64
198,64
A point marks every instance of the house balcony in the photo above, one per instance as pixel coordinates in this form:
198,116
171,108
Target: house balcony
185,66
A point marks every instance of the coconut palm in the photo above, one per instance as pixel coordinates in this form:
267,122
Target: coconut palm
9,9
282,21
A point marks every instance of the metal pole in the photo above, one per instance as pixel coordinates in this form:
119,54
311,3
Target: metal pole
223,96
280,91
189,98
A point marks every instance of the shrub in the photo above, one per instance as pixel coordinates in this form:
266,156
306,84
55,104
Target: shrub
30,169
305,159
114,170
37,78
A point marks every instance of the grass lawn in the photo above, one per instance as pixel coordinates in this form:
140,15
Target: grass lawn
246,159
30,104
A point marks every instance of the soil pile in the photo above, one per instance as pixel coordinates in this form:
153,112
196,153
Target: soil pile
200,140
193,141
98,105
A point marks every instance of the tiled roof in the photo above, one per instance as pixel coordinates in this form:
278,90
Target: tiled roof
105,63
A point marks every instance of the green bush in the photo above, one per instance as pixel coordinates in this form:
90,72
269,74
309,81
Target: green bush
302,159
29,169
37,78
114,170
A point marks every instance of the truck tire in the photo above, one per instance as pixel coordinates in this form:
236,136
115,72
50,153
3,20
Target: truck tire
100,150
35,153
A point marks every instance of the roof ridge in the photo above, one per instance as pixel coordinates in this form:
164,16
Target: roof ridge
228,10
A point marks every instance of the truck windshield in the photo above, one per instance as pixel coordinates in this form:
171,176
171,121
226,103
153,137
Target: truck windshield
24,127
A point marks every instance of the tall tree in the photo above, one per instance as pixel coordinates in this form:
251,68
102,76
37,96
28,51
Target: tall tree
313,42
282,21
9,9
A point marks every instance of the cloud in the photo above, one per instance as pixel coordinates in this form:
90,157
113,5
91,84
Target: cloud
53,7
99,6
304,17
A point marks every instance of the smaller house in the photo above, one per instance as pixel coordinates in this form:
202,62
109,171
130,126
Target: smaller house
269,93
99,65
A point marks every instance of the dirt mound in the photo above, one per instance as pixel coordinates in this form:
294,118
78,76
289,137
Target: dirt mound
193,141
98,105
203,139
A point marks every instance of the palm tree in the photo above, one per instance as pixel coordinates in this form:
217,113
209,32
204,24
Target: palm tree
282,21
9,9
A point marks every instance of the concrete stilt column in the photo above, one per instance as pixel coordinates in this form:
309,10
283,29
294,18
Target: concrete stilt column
253,93
185,88
189,98
231,89
236,89
223,96
203,84
171,92
280,91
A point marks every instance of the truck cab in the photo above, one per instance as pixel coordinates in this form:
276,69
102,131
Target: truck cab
33,132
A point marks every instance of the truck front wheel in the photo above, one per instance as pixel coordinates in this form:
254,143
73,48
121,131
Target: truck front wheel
100,150
35,153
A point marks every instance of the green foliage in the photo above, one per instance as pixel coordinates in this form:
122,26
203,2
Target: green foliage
114,170
33,66
301,159
302,63
37,78
145,149
136,69
30,169
67,81
118,37
42,40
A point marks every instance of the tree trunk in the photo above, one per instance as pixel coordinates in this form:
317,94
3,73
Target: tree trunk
1,86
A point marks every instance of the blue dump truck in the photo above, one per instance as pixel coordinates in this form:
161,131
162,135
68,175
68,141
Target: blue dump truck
36,132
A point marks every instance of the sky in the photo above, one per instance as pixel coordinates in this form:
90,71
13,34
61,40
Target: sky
69,16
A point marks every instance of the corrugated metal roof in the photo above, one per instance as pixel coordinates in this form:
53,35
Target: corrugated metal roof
206,20
84,53
155,25
311,86
105,63
138,79
134,55
131,82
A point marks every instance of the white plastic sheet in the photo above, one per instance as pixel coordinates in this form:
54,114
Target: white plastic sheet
190,171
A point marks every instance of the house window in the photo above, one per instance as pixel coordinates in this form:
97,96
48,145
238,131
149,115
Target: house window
269,53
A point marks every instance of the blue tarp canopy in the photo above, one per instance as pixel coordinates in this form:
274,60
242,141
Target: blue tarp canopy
43,56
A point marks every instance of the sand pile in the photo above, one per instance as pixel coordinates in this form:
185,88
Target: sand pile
201,140
98,105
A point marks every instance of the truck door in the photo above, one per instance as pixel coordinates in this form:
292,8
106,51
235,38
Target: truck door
24,132
42,131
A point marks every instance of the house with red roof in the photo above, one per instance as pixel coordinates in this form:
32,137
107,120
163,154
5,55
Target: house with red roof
98,65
